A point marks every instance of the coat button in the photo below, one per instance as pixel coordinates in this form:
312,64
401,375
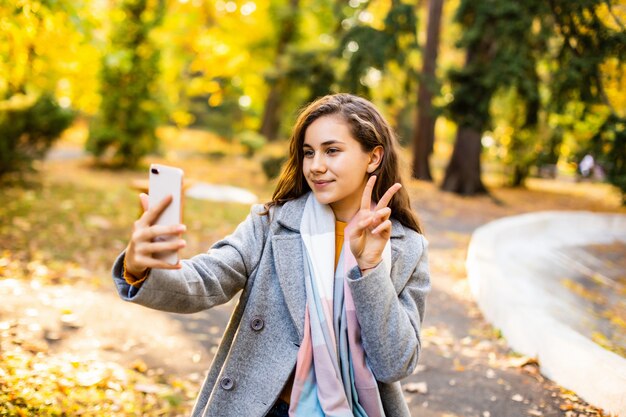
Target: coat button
227,383
257,323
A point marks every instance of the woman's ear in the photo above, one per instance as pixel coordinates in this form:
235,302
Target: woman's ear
376,157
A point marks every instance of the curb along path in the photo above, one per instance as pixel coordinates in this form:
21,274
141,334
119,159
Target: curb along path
519,288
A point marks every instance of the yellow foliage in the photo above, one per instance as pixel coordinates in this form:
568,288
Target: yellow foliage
215,99
614,78
42,50
182,118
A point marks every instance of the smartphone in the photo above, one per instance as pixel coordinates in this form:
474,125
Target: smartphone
166,180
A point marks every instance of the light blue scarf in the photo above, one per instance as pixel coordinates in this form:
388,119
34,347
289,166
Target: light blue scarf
332,377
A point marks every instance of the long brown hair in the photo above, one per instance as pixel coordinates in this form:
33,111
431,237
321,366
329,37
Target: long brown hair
370,129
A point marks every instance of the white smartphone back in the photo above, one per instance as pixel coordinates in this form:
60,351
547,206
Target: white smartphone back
166,180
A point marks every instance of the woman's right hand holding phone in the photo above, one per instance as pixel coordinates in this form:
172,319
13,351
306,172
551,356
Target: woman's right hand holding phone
142,245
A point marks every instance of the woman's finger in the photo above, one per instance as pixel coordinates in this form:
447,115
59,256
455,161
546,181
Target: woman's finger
383,213
155,247
364,223
158,264
143,197
386,198
155,231
366,198
384,226
150,217
149,234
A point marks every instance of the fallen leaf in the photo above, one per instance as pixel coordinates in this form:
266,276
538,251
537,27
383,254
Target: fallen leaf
519,361
139,366
416,387
89,378
52,335
148,388
70,321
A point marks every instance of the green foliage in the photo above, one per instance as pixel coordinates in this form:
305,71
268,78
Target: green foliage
311,68
272,166
130,110
28,128
609,146
506,43
252,141
367,47
222,119
502,51
586,43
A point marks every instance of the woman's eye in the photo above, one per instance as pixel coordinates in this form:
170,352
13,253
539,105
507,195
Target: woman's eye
308,154
332,150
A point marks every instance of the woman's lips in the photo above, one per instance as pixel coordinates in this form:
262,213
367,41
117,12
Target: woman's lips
321,184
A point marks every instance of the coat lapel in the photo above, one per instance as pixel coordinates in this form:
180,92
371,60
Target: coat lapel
289,263
287,251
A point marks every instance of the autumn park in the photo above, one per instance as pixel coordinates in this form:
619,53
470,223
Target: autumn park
511,121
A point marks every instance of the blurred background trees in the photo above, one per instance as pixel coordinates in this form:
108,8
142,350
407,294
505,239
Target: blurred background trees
36,42
528,87
129,110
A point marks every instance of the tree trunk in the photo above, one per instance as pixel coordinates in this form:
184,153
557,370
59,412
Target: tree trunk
463,172
424,136
270,123
520,173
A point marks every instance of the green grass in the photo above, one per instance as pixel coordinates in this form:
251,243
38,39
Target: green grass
76,221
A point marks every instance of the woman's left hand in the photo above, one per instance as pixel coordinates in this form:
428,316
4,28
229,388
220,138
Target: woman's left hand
372,227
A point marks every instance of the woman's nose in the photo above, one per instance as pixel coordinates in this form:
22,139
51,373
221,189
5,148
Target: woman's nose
318,164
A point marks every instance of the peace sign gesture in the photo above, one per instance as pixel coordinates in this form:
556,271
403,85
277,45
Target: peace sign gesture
372,226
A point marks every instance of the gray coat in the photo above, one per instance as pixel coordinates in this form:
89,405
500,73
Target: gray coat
263,258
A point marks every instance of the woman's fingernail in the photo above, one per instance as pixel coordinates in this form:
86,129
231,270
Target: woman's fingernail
181,228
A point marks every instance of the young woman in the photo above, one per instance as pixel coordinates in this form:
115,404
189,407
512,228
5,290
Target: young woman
333,273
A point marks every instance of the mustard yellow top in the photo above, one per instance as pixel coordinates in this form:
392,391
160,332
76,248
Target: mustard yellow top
339,233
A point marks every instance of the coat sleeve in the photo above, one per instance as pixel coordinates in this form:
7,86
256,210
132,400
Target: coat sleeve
207,279
390,318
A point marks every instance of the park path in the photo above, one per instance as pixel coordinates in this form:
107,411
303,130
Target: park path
466,368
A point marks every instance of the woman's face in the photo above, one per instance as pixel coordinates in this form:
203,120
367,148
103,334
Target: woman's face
335,166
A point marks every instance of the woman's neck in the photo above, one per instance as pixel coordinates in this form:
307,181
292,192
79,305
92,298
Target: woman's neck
344,214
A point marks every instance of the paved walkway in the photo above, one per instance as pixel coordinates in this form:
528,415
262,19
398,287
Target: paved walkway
528,286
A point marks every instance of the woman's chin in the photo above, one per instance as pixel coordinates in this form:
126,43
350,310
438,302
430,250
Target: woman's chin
322,198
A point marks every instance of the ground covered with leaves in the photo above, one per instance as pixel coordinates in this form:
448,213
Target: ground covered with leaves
61,230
